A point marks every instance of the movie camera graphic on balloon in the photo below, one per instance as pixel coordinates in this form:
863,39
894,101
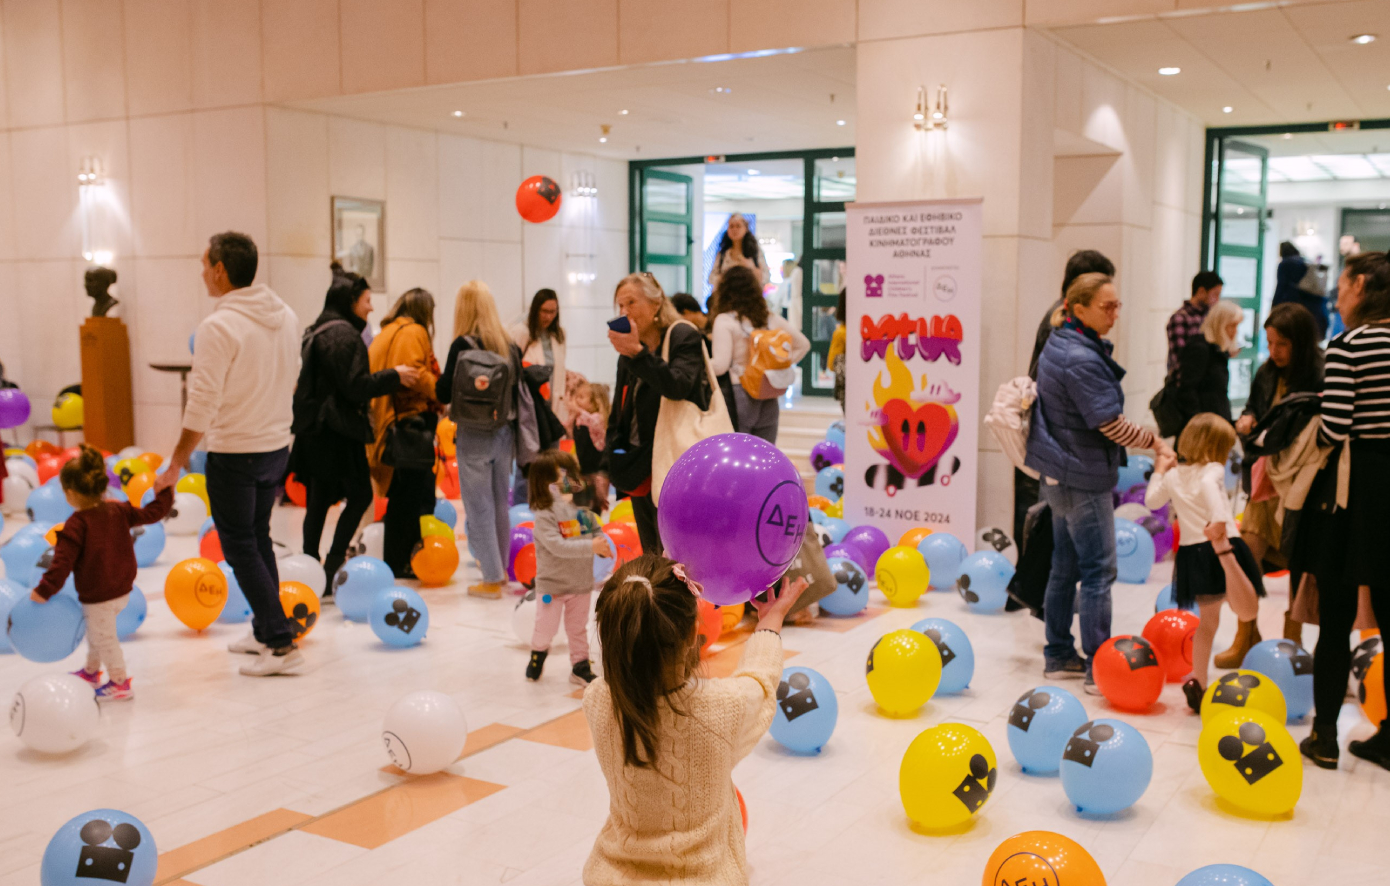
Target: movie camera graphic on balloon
912,424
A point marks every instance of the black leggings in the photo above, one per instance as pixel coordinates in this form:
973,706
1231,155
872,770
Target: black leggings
1332,656
644,513
322,495
410,497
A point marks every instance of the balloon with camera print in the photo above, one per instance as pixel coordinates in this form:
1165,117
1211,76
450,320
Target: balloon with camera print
1290,666
851,592
957,655
357,584
538,199
1224,875
806,711
946,776
1106,767
100,846
944,554
1250,761
1041,722
984,581
399,617
1134,551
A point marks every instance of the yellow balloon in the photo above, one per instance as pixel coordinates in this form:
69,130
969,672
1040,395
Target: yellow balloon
1244,690
902,575
1251,761
622,513
196,484
126,468
903,671
946,776
430,525
67,411
196,591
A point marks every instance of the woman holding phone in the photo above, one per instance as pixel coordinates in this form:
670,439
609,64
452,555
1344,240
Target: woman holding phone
644,378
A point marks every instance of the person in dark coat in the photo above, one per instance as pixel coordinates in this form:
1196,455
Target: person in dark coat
1293,267
1204,375
331,423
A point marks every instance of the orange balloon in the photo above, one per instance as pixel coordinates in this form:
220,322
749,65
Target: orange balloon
435,560
196,591
913,537
1036,857
567,445
210,548
301,607
538,199
446,437
51,536
1371,692
48,466
524,567
625,539
1171,632
818,501
711,624
378,508
742,809
295,491
41,447
138,485
729,617
447,477
153,459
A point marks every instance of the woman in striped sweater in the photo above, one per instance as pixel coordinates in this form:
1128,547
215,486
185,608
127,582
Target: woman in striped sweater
1344,547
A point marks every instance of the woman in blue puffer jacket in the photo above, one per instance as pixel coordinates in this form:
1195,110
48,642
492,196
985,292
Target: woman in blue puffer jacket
1077,441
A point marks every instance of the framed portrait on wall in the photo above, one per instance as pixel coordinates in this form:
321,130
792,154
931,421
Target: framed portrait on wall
359,238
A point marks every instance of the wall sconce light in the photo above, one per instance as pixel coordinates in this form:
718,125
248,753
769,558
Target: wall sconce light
90,176
934,118
583,184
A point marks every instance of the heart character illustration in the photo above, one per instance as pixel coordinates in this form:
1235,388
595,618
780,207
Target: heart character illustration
917,435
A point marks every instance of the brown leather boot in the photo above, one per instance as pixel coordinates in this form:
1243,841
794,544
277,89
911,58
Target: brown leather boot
1247,635
1293,630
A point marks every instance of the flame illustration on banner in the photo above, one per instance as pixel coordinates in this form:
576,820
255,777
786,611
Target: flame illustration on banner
911,428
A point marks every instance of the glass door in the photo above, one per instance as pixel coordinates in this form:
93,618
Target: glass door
830,184
665,228
1236,237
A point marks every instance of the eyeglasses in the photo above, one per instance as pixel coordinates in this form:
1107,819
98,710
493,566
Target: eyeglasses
1110,307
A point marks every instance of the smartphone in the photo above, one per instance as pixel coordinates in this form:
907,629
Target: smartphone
620,324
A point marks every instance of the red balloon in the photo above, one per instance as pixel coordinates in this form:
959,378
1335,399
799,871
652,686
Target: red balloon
1171,632
538,199
69,454
1127,672
711,622
48,467
625,539
742,809
296,491
210,548
378,508
448,477
525,565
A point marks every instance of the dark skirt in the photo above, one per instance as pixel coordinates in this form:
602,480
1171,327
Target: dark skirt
1197,571
325,455
1348,545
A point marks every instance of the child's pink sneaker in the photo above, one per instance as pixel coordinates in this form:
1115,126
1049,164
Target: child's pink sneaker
93,677
114,691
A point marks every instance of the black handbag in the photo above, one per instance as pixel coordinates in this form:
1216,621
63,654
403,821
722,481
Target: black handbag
410,443
1164,406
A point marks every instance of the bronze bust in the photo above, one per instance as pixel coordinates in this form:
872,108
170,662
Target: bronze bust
98,281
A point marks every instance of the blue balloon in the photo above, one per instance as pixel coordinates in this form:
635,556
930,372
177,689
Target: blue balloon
851,592
830,482
1290,667
837,528
1224,875
604,566
191,336
806,711
357,583
836,433
22,555
207,527
110,460
399,616
197,462
1167,599
957,655
1041,723
519,514
47,632
149,543
1136,473
1106,767
444,510
236,610
104,845
10,593
984,580
48,504
818,516
1134,549
944,554
132,615
850,551
2,523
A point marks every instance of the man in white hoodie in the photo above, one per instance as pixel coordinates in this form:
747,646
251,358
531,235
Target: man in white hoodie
240,399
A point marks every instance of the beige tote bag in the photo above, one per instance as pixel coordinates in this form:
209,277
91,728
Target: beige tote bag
681,424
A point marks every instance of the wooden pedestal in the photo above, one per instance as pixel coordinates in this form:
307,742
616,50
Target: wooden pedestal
108,413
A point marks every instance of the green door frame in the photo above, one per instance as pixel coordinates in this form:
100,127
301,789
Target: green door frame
1256,203
639,170
685,219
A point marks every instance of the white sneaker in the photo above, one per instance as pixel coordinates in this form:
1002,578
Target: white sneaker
267,663
248,645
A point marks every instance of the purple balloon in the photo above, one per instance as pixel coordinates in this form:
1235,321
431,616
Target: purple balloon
733,510
521,537
1162,533
14,408
872,541
851,552
1134,496
826,453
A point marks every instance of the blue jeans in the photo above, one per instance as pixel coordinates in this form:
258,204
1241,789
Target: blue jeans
485,473
1083,549
242,488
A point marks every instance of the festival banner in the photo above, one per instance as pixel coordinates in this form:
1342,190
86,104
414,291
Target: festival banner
912,367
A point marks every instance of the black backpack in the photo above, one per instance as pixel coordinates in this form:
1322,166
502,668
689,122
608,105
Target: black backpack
484,392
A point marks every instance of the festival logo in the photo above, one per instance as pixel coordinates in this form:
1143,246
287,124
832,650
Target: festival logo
911,427
931,337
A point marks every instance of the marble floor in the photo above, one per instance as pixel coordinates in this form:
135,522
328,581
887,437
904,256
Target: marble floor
285,780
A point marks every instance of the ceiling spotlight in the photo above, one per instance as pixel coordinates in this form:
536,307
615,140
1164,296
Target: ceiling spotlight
839,123
1168,72
1228,109
458,113
603,139
754,172
1287,136
1363,39
722,90
623,112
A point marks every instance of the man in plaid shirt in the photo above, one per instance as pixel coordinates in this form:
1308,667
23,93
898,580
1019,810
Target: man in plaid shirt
1186,322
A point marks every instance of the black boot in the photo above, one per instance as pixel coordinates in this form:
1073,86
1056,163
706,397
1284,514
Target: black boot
1194,692
533,668
1321,746
1376,748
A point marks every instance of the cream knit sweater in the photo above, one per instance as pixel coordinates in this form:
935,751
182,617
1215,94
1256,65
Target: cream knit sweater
680,822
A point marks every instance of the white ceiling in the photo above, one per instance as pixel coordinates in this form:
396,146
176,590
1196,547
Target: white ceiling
1273,64
781,101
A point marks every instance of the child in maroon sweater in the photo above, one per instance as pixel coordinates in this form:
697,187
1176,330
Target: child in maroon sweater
95,546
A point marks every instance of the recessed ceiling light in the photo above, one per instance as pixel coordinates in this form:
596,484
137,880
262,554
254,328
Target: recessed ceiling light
754,172
722,90
458,113
1168,72
1363,39
839,123
1228,109
603,139
623,112
1288,135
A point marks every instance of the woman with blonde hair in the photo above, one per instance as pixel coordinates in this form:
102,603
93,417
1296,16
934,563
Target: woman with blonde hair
479,382
1203,374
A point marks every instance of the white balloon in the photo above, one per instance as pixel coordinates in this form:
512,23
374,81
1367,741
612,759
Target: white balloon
424,732
524,618
187,515
55,713
373,540
1132,511
130,452
18,467
303,569
992,538
17,491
